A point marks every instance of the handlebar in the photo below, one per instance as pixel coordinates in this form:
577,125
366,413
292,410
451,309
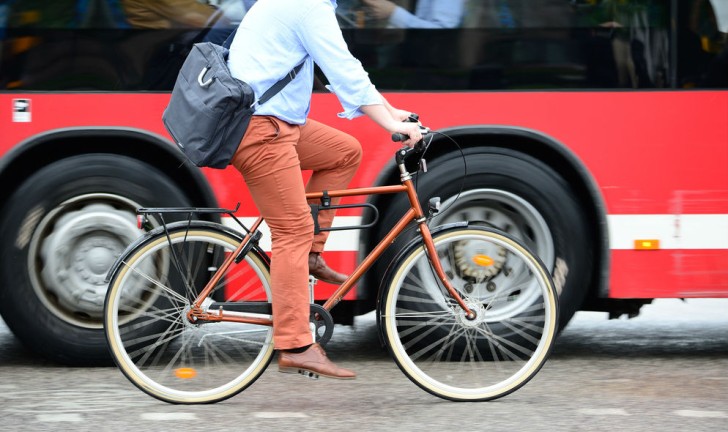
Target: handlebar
418,148
413,118
398,137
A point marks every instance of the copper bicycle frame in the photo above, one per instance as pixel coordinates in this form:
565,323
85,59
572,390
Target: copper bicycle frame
413,214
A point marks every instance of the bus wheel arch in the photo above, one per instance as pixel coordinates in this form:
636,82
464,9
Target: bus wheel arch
501,163
40,150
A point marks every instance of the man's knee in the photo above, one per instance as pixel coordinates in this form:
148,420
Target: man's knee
353,153
293,230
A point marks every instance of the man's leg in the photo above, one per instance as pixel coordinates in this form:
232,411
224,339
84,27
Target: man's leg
334,157
269,163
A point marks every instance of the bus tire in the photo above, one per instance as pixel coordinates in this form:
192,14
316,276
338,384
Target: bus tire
519,195
62,229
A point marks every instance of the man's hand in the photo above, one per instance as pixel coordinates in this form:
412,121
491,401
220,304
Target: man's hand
380,9
400,115
412,130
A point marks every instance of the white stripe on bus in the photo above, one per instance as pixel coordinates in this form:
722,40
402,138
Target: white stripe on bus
339,241
707,231
687,231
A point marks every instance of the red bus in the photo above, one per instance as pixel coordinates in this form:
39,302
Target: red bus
594,130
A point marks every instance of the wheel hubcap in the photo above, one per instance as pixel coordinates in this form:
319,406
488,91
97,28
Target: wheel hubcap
73,248
509,213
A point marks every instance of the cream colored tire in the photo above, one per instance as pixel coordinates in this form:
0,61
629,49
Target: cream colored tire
152,339
443,351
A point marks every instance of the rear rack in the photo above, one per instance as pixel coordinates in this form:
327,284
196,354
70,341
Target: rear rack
161,211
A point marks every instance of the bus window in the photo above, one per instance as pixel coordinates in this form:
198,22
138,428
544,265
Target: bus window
105,45
526,44
704,41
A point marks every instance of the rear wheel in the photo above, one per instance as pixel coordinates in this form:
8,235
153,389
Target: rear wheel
155,342
451,355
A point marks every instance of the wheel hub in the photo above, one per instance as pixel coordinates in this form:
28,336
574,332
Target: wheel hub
479,261
82,247
477,308
72,250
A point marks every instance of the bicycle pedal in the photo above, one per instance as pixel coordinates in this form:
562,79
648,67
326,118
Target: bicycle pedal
308,374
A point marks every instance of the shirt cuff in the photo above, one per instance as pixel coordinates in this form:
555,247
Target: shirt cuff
352,109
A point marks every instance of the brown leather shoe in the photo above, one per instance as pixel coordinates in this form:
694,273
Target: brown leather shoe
312,361
317,268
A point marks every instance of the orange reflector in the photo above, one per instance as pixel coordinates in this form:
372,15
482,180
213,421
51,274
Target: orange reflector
483,260
644,244
185,373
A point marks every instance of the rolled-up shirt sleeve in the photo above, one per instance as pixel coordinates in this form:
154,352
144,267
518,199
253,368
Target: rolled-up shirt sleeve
322,39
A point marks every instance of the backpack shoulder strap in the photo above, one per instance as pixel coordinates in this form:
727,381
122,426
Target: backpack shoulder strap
277,87
229,40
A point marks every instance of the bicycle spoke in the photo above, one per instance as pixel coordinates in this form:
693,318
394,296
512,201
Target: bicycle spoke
166,289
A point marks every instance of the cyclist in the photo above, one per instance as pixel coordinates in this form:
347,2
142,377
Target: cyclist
274,37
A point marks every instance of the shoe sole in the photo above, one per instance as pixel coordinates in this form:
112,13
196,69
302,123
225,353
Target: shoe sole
308,373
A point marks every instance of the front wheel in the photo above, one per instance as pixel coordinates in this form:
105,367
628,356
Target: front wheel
153,339
449,354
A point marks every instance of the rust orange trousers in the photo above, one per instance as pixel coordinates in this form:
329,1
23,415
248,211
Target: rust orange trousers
270,158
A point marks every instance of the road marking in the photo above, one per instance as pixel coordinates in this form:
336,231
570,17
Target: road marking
603,411
58,418
278,415
701,414
168,416
613,380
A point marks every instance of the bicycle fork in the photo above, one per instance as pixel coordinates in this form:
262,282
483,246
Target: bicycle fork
426,235
437,267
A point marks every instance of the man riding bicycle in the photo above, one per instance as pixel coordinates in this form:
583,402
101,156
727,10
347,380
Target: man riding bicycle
274,37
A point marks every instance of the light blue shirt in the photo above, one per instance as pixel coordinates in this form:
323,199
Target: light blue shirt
277,35
430,14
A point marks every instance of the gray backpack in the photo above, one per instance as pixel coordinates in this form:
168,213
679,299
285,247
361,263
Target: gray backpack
210,110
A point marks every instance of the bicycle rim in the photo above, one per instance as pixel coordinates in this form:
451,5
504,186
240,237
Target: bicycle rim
150,336
461,359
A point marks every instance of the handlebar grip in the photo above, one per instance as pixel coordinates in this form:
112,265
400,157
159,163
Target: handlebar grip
399,137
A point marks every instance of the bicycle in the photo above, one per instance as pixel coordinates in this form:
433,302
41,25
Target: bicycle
467,312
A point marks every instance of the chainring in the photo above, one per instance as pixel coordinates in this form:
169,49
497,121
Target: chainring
323,324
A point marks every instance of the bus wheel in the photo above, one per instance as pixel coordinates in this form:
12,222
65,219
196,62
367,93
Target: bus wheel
523,197
62,230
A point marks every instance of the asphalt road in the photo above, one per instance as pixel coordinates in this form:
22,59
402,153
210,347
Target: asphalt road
666,370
